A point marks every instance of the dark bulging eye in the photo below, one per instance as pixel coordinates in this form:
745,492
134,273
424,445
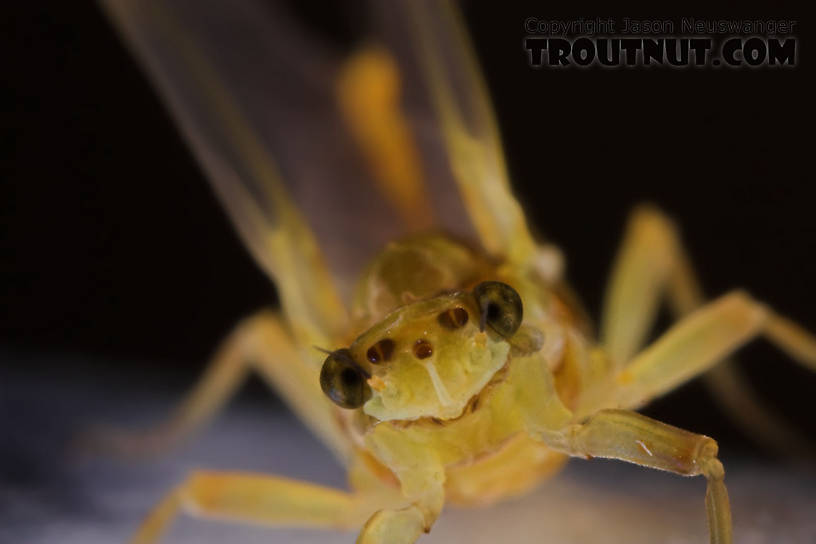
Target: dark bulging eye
500,307
344,381
454,318
381,351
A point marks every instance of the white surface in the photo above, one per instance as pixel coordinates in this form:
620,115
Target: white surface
49,496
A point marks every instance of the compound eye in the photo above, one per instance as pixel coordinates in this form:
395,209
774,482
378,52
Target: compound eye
344,381
500,307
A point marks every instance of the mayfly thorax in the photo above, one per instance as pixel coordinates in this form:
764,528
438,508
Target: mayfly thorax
425,335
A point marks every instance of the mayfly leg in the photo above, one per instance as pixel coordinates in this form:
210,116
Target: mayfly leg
255,498
634,438
652,262
259,343
700,340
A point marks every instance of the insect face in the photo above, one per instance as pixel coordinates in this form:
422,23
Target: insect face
427,358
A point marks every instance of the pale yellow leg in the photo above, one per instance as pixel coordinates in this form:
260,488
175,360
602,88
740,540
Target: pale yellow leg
689,348
696,343
470,135
651,261
258,343
644,267
255,498
404,524
631,437
421,479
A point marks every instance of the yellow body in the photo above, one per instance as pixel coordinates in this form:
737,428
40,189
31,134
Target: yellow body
478,433
449,396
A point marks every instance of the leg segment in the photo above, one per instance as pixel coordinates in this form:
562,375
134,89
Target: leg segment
402,526
689,348
469,131
258,343
255,498
412,458
631,437
699,341
652,260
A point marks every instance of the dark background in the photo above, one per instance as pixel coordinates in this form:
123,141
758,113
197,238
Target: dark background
113,249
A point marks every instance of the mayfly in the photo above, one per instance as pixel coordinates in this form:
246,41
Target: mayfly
458,368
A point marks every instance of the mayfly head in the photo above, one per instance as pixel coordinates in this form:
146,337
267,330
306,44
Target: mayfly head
427,358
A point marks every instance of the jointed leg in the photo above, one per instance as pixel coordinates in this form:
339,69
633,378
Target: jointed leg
699,341
631,437
689,348
421,482
258,343
652,261
649,262
255,498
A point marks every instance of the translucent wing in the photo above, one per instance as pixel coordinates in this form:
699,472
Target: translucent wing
440,55
322,157
223,78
